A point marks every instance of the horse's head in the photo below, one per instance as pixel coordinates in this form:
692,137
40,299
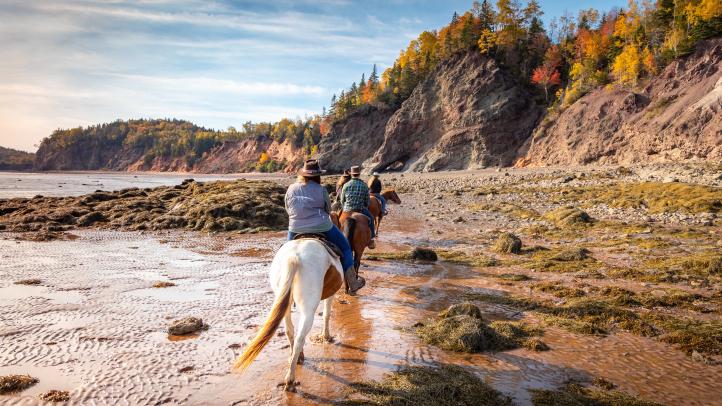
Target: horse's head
390,194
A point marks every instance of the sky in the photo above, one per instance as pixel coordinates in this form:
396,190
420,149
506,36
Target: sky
216,63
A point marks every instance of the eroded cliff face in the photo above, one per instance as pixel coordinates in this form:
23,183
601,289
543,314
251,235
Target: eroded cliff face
469,113
354,139
676,117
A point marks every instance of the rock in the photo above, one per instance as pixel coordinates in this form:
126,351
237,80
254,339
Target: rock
16,383
187,325
55,396
568,216
90,218
459,220
507,243
423,254
468,309
574,254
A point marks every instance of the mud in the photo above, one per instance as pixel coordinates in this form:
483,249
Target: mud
95,327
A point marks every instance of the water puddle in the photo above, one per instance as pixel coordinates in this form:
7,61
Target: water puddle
49,378
181,293
12,293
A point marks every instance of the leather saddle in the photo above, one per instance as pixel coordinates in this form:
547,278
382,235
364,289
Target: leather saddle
331,247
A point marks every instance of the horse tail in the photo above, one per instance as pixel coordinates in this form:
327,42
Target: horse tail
278,312
349,228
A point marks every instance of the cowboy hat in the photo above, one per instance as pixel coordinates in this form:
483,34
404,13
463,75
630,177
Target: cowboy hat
311,168
355,170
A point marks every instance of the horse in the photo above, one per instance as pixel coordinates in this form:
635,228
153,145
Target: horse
375,206
355,226
305,273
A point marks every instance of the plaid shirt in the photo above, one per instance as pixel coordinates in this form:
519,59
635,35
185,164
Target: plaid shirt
355,195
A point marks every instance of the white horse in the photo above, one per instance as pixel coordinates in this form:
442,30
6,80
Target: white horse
302,272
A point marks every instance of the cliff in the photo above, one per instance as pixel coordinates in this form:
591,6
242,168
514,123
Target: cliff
677,116
469,113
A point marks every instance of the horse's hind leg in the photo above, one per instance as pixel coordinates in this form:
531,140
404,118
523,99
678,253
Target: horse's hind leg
326,319
306,321
289,328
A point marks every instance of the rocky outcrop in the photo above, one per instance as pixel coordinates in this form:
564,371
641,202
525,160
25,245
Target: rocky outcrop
354,139
239,205
676,117
469,113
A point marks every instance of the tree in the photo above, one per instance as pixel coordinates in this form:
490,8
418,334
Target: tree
626,66
546,77
486,16
487,42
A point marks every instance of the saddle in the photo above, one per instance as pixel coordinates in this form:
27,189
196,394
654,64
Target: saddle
332,280
330,247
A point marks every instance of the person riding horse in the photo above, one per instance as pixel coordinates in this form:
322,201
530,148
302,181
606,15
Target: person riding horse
308,206
375,188
355,197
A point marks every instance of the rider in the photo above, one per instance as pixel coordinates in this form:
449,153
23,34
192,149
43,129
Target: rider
342,181
308,206
355,196
375,188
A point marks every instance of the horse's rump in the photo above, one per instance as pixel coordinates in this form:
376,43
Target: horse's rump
332,282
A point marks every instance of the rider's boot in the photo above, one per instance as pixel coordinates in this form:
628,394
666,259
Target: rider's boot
353,281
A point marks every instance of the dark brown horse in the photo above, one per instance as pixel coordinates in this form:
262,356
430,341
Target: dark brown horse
355,227
375,206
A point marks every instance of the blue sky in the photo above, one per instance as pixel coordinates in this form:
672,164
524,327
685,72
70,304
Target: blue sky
216,63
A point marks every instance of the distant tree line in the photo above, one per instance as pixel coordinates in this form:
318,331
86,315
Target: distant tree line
172,138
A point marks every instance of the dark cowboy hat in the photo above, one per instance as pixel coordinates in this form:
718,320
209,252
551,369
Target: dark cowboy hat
311,168
355,170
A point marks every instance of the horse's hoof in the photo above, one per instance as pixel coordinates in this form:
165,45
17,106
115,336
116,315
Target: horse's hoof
301,358
290,387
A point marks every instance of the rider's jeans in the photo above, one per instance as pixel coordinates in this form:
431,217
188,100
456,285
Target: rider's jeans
382,200
336,236
372,224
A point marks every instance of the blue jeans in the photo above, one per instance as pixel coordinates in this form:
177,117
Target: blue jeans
382,200
336,236
372,223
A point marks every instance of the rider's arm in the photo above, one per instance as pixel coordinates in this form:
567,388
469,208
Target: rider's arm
326,201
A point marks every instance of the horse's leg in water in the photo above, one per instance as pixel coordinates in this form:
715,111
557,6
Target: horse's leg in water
306,311
326,318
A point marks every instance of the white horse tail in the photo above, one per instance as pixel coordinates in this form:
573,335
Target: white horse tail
278,312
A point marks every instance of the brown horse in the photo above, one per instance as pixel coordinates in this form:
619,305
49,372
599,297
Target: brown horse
355,227
375,206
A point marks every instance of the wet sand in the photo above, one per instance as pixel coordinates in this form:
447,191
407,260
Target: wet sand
95,326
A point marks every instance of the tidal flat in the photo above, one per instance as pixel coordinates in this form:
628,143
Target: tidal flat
630,295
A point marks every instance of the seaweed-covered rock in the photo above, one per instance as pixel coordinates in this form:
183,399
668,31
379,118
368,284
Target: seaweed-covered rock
460,328
574,254
212,206
187,325
16,383
507,243
55,396
90,219
467,309
428,386
424,254
568,216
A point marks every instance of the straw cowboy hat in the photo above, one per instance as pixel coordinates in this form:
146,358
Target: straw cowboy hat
355,170
311,168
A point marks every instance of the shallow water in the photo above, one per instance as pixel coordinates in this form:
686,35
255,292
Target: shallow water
109,346
29,184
